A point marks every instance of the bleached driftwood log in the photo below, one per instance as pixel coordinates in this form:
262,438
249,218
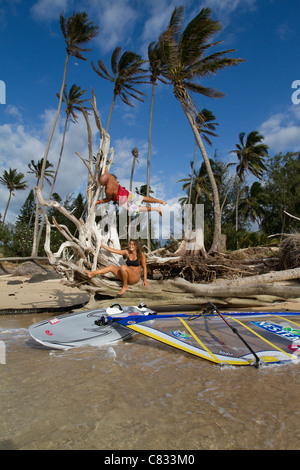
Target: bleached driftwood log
84,248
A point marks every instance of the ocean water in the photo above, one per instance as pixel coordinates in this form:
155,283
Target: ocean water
139,395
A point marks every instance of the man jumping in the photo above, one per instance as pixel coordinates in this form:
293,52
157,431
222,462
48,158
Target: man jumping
130,201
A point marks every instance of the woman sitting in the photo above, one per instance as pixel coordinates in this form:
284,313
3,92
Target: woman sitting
131,272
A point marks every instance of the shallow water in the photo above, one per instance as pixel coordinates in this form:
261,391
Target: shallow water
139,394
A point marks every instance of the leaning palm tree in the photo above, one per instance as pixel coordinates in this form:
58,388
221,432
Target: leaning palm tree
206,127
73,103
126,74
184,62
250,155
13,182
77,31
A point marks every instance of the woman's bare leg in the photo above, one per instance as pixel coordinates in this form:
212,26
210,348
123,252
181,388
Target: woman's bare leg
128,277
124,273
108,269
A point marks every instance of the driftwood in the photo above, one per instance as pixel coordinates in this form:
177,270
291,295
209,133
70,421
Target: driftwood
82,251
252,290
289,252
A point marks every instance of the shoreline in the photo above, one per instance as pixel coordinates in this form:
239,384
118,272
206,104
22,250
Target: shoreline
47,293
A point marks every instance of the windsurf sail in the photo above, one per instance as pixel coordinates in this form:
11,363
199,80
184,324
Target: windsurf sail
242,339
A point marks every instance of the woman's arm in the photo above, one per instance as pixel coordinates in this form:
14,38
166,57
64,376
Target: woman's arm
144,266
114,250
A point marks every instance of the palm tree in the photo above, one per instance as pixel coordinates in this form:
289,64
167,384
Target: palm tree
13,182
155,61
36,169
252,205
183,63
73,103
126,74
205,126
77,31
250,155
196,185
135,154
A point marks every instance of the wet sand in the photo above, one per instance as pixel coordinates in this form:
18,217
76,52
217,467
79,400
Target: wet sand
135,395
139,395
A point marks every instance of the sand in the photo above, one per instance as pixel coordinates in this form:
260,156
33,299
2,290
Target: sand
34,288
18,295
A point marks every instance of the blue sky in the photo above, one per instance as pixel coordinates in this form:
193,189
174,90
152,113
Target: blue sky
258,91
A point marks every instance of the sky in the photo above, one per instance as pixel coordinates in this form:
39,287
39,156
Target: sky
259,93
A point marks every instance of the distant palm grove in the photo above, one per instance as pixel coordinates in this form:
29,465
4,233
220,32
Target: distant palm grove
248,203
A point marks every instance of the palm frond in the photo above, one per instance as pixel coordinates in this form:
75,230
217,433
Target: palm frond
77,30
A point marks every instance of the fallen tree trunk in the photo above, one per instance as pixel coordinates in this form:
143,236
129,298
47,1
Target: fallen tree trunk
253,291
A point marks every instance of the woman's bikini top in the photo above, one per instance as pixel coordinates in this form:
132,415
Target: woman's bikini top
136,262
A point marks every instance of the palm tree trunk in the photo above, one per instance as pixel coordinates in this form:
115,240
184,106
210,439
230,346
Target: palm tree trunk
59,159
148,167
217,211
54,180
8,202
36,222
131,176
192,177
237,209
110,112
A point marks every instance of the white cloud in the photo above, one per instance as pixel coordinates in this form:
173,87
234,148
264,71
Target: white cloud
48,10
18,146
157,20
123,159
229,6
13,111
282,131
116,21
284,31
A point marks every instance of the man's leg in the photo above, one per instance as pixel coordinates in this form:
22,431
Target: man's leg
153,200
150,209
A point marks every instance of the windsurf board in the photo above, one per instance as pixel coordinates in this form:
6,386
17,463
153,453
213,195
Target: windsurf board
79,329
